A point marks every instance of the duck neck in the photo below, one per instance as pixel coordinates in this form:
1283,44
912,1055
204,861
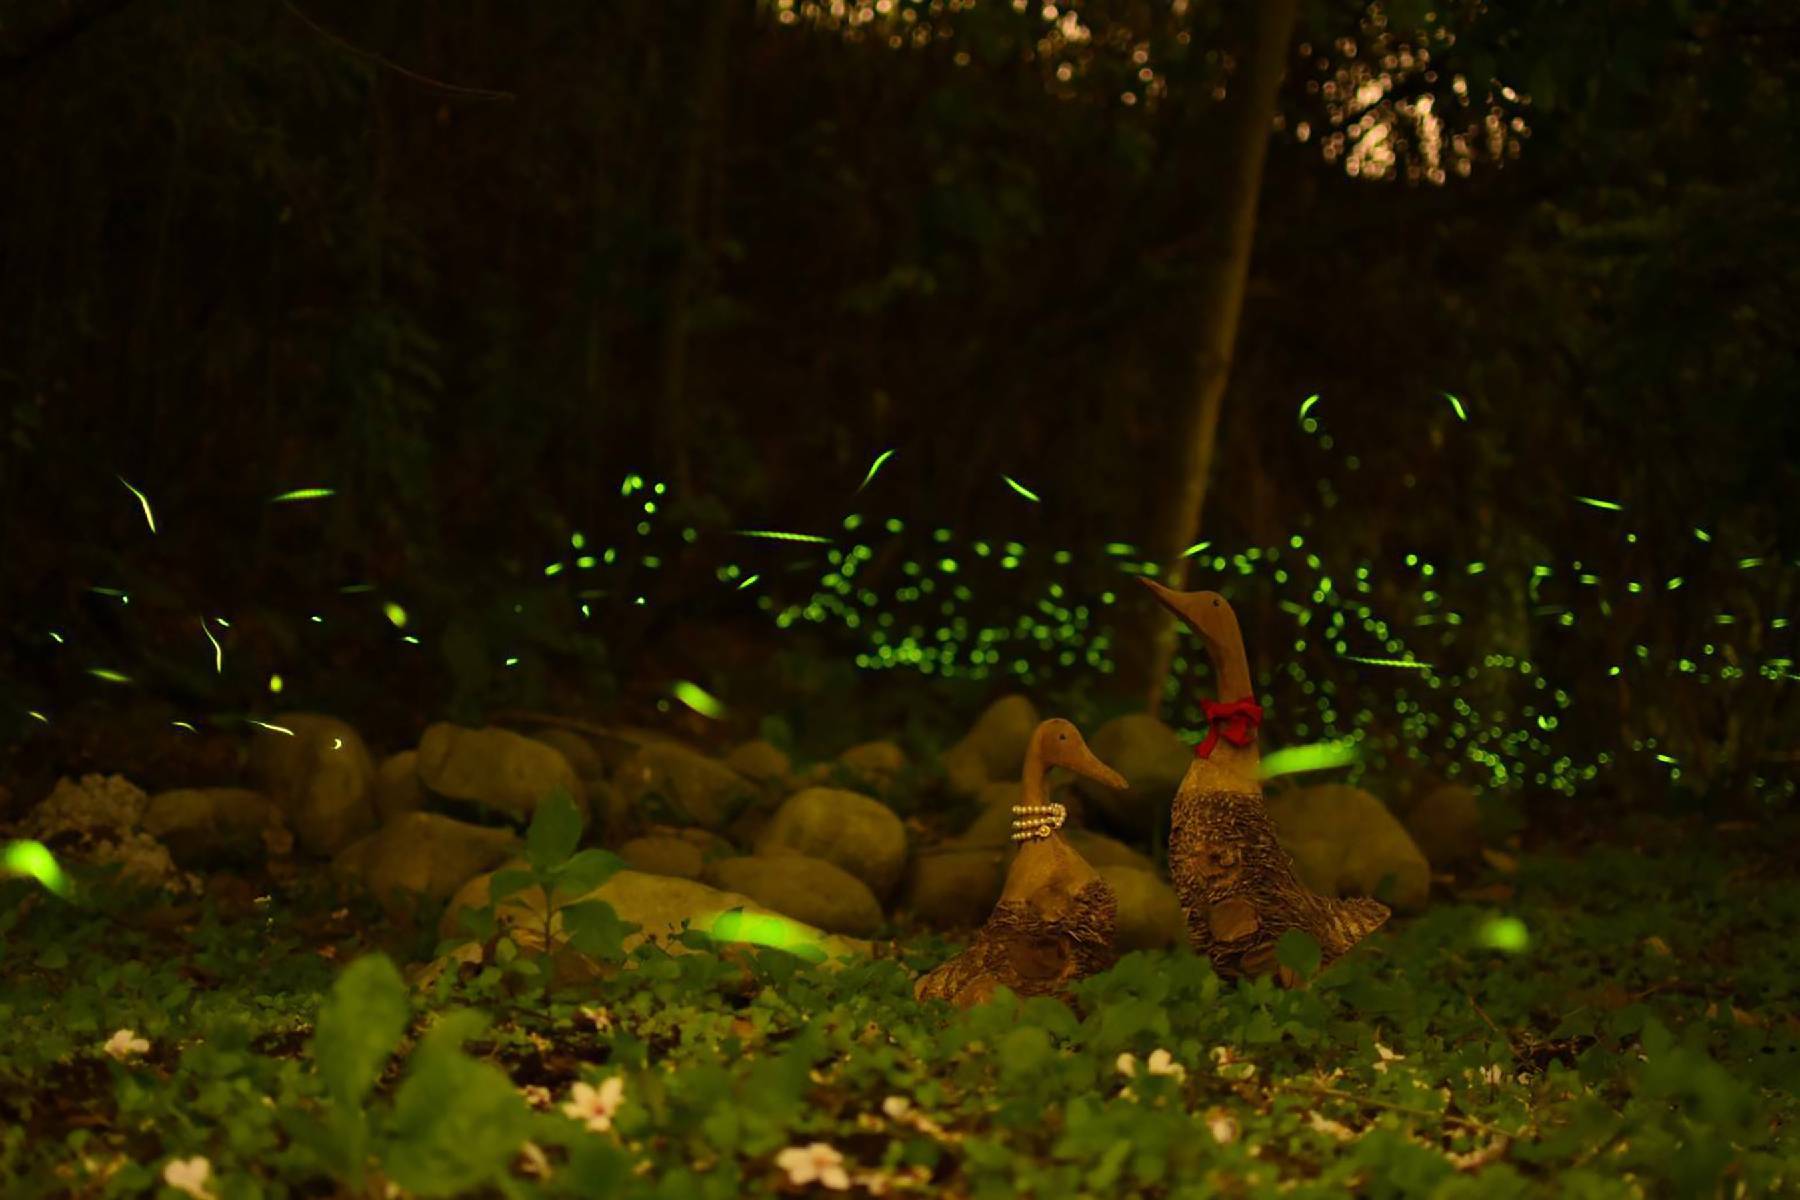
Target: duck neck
1232,668
1031,782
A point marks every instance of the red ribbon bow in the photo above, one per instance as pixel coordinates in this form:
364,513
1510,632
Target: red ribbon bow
1236,722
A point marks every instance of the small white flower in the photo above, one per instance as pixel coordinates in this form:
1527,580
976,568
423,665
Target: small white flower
536,1095
874,1182
816,1162
1161,1062
1325,1125
600,1017
1387,1056
533,1161
896,1107
125,1044
1223,1127
1493,1075
1127,1064
595,1106
188,1175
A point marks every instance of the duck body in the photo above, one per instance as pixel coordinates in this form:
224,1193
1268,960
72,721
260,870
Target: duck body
1238,889
1056,917
1053,925
1237,886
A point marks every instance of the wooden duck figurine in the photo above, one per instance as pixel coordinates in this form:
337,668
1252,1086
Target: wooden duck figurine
1056,917
1236,884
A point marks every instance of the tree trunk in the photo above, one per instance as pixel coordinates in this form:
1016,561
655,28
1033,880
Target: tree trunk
1147,644
703,109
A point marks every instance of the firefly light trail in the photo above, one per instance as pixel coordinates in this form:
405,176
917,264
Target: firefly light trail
874,467
1020,488
308,493
142,499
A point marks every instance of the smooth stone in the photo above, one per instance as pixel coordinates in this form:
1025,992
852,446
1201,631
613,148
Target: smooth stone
576,749
397,787
495,768
321,776
994,747
205,827
878,763
1152,758
668,781
660,905
1446,824
760,761
954,887
664,855
851,831
1102,851
1362,844
428,855
807,889
1150,916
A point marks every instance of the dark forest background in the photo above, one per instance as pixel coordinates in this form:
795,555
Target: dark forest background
470,265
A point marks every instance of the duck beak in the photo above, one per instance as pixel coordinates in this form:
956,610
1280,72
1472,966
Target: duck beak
1086,764
1166,597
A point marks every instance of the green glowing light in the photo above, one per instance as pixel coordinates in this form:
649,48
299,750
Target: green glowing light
1458,406
56,637
306,493
218,650
586,562
631,484
283,729
354,588
1676,582
947,565
395,613
554,568
874,467
35,715
779,536
149,517
1405,663
34,861
1020,488
577,540
1702,534
184,725
109,676
276,684
698,699
1505,933
1745,564
764,930
1317,757
1306,405
1608,505
748,582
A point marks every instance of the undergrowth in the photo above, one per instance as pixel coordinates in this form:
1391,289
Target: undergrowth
1638,1040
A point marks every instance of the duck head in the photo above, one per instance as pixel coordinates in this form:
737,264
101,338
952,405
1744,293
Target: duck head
1060,744
1206,613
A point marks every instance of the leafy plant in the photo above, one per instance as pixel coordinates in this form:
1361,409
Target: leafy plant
565,877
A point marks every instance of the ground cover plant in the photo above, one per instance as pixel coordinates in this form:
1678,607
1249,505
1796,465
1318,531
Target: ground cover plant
1626,1029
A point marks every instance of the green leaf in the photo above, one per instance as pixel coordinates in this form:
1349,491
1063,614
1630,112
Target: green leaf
457,1122
1299,952
596,930
555,830
359,1026
587,871
509,882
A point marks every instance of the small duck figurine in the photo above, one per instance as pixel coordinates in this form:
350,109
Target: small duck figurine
1056,917
1236,884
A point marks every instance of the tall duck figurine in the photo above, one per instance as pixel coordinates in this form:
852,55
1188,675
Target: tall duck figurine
1056,916
1236,884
